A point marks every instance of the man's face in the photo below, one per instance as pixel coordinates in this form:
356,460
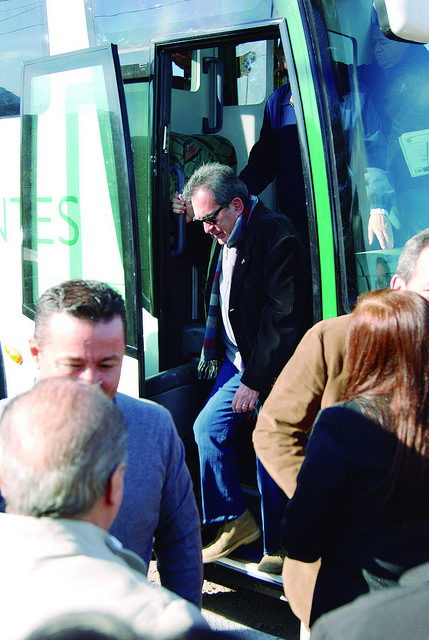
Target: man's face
204,204
387,53
92,352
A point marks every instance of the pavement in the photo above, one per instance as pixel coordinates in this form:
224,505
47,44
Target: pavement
240,631
246,613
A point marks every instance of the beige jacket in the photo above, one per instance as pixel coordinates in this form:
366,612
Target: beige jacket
314,378
52,567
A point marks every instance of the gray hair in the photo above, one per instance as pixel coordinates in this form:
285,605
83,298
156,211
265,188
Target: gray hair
220,180
410,254
60,442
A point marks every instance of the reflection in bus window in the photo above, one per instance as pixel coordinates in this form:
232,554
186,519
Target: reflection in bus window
402,101
23,36
382,145
9,103
181,69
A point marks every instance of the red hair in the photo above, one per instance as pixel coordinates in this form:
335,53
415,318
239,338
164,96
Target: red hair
388,360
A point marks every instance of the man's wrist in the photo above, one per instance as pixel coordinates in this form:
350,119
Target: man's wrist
379,212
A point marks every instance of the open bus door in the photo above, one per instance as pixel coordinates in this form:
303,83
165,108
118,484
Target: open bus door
77,185
212,111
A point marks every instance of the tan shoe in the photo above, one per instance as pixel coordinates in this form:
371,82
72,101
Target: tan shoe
233,533
272,563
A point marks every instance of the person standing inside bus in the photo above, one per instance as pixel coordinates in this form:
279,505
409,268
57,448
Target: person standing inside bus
276,156
257,298
80,331
362,497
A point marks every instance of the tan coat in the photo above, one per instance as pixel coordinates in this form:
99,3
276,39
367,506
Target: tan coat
314,378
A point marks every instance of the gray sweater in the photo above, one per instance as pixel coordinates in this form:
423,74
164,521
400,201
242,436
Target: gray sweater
159,502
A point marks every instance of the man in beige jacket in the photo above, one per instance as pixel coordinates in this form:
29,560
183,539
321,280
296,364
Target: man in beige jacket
315,378
63,450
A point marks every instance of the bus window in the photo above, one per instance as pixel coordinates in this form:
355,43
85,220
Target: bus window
244,71
379,115
138,21
246,78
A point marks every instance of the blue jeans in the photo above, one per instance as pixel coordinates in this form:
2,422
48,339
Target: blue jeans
215,432
273,503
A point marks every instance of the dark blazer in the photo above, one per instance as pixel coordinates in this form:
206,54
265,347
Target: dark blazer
338,511
270,293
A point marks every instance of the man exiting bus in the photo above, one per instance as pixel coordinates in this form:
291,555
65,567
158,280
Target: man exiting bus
256,300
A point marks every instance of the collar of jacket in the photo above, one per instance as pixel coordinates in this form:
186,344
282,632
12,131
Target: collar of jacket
242,222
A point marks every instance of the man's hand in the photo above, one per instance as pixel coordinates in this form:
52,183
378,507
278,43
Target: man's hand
180,207
244,399
379,225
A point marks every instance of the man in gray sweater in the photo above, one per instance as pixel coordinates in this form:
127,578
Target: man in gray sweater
80,329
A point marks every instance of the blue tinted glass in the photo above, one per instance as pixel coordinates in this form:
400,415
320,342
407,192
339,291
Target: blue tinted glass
23,36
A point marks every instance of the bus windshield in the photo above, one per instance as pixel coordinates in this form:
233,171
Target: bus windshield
378,106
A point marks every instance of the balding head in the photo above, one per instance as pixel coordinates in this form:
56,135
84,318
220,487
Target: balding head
60,443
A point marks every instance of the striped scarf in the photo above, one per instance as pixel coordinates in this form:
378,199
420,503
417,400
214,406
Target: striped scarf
209,365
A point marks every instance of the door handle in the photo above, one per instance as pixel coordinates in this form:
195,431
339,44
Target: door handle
217,65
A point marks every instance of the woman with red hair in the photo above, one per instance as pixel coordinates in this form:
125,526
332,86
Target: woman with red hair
362,498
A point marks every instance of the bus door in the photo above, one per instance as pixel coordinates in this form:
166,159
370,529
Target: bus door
209,101
210,95
77,185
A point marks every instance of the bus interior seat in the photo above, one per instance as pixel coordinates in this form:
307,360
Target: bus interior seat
189,152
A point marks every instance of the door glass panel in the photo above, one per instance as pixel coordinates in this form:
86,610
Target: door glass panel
75,185
379,113
244,71
137,98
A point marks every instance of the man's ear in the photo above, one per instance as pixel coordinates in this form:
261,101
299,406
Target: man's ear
237,205
397,283
35,350
115,486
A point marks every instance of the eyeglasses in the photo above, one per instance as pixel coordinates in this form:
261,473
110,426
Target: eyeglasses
211,217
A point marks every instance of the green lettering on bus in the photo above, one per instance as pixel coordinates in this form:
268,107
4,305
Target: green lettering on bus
73,226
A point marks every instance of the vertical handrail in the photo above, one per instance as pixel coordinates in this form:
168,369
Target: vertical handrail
217,64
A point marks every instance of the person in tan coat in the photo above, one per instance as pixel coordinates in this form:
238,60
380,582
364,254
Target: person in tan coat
313,379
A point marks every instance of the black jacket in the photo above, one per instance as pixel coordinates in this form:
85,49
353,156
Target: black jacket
270,293
339,511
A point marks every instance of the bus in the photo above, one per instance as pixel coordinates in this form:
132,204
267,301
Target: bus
106,109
